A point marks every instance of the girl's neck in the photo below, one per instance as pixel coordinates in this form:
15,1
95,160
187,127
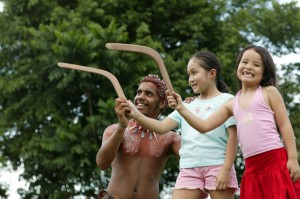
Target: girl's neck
246,88
209,93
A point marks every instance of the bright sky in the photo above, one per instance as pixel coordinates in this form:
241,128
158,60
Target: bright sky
290,58
11,178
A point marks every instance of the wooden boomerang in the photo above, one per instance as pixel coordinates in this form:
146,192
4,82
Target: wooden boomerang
105,73
148,51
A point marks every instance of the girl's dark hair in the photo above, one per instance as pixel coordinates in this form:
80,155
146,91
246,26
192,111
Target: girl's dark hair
208,61
269,76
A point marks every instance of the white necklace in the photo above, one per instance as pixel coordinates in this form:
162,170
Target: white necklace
137,127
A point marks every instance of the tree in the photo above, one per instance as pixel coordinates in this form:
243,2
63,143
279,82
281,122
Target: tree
52,119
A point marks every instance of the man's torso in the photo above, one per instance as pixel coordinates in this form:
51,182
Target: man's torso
137,168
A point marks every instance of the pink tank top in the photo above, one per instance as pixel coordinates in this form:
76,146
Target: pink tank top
256,126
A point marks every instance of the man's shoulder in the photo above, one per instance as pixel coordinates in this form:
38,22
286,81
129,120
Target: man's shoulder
115,125
171,134
111,128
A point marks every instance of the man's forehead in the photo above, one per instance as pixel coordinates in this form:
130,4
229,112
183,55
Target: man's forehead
147,86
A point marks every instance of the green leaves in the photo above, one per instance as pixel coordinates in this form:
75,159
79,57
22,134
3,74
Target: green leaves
52,119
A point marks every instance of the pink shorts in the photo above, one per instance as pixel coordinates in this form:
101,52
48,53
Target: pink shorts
203,178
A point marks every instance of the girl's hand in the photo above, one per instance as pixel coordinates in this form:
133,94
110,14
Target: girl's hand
174,100
133,113
294,169
223,180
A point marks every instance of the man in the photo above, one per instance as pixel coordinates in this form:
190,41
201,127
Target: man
137,155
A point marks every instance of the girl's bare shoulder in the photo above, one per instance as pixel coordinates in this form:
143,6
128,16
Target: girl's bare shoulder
271,95
270,89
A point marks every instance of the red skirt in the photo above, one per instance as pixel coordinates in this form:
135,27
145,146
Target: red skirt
267,177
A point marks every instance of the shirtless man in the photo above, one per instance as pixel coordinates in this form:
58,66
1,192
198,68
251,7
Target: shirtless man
137,156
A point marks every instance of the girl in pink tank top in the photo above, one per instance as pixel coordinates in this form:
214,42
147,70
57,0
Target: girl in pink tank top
272,168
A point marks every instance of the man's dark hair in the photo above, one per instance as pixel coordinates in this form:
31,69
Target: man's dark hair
160,85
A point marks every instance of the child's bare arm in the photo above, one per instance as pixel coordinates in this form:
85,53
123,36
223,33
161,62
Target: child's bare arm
286,130
203,126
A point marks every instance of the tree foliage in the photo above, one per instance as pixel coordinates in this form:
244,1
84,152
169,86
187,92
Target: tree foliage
52,119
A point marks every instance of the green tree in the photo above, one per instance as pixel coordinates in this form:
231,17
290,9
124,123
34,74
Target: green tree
52,119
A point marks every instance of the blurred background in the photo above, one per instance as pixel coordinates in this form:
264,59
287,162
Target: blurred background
52,119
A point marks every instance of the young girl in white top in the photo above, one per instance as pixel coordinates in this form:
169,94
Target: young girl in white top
272,169
206,160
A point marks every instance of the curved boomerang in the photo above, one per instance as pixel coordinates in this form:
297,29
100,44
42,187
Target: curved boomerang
148,51
104,73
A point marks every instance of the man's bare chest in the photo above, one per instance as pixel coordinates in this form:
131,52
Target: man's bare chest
135,144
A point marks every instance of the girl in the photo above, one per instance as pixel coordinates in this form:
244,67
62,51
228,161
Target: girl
206,160
258,109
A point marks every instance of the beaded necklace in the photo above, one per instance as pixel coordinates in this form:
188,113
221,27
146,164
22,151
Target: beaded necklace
137,127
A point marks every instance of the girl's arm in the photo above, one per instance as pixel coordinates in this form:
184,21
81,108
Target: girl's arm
223,177
286,130
203,126
157,126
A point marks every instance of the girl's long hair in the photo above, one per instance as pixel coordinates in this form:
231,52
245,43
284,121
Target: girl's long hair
209,61
269,76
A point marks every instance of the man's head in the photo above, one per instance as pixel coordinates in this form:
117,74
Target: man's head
151,98
160,85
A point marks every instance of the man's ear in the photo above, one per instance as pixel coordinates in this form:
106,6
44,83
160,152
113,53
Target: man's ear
163,104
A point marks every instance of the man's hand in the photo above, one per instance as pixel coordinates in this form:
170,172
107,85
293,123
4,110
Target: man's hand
121,107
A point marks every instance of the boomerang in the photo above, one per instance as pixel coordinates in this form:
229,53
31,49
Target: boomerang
104,73
148,51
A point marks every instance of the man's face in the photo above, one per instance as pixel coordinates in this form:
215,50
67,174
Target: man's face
147,100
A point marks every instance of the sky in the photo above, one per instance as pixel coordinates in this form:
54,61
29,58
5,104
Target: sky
11,178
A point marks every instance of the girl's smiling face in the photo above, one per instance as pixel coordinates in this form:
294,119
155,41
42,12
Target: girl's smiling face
199,79
251,68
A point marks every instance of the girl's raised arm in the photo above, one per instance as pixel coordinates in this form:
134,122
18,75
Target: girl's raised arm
203,126
157,126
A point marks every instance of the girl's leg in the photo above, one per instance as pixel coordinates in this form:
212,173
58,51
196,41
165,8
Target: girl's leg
222,194
189,184
187,193
211,182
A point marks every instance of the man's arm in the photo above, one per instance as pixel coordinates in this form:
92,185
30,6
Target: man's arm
176,145
111,140
113,135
